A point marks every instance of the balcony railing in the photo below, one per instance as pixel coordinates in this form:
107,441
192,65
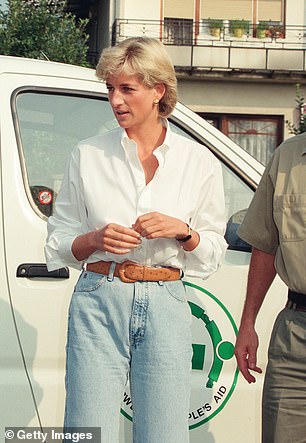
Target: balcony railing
199,46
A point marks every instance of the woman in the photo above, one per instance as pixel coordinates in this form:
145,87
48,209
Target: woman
139,206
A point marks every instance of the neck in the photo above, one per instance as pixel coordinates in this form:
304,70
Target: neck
148,138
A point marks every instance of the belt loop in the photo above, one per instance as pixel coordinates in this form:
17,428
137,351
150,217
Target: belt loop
291,305
111,271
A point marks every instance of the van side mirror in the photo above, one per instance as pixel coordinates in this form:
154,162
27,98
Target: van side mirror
235,243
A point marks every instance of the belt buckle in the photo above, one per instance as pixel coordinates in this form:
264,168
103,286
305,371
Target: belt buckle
122,270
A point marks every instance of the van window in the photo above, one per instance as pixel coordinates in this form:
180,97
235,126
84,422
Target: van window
49,126
238,196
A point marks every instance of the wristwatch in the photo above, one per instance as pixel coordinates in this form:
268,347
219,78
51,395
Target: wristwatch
188,236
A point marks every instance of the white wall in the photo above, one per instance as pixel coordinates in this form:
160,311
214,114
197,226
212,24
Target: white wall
239,98
139,9
295,12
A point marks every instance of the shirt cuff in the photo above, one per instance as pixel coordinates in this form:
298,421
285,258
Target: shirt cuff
65,252
206,257
60,256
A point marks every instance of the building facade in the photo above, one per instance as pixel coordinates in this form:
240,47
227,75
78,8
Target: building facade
237,61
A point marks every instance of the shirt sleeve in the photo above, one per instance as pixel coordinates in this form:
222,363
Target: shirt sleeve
258,227
209,221
68,219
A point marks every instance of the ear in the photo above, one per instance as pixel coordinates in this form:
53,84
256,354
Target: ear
160,90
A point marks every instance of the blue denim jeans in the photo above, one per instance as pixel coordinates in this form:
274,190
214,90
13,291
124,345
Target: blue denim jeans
139,332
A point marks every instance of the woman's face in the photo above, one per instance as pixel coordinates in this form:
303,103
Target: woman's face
132,102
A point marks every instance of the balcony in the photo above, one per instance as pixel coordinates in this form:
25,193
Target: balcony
198,49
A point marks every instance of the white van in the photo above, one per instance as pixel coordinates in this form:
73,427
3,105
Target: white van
45,109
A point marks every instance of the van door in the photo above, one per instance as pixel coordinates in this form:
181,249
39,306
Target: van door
42,124
16,402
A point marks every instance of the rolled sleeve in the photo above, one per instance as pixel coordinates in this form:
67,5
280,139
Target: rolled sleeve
59,253
209,222
207,257
68,220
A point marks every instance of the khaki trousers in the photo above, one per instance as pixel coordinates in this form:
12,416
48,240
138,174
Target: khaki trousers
284,394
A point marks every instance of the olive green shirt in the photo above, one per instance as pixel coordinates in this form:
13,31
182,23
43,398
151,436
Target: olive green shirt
276,219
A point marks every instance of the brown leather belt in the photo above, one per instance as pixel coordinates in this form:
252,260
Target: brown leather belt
130,272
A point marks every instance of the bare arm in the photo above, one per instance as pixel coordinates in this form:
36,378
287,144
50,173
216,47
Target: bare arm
261,275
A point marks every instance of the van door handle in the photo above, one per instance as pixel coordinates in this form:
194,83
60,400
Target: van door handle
39,270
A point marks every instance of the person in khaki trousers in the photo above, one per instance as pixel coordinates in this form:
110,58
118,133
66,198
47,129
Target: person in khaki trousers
275,226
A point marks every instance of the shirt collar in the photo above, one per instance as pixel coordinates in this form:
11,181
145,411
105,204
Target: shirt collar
160,152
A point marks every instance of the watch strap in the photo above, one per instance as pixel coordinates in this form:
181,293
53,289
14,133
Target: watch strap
188,236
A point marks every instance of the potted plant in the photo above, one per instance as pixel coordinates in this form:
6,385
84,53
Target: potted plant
261,29
215,25
275,31
238,28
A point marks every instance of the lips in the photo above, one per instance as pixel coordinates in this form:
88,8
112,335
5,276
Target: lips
120,113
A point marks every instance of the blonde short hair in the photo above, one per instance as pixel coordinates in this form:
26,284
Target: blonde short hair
146,58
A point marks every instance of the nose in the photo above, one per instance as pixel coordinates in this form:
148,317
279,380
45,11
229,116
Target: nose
115,98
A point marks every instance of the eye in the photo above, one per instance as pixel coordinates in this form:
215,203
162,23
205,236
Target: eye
109,88
127,89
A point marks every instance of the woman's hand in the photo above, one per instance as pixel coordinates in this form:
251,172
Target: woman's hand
112,238
156,225
116,239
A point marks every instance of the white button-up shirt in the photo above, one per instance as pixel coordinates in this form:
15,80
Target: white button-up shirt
105,183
